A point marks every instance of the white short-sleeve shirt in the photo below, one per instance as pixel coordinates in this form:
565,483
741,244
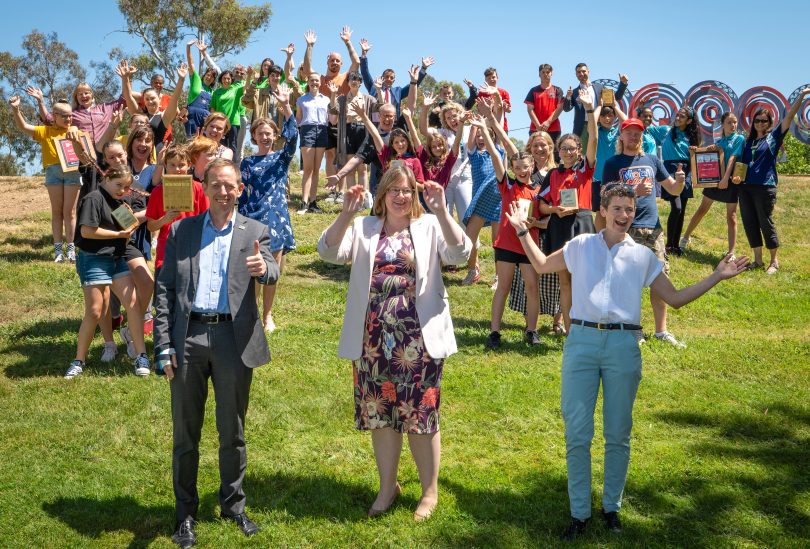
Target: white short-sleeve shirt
606,283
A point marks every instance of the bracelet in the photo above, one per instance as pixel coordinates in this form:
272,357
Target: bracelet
589,111
413,82
522,232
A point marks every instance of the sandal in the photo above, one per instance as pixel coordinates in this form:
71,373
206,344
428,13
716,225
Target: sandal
772,269
755,265
558,329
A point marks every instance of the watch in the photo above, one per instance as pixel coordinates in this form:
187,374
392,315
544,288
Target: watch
522,232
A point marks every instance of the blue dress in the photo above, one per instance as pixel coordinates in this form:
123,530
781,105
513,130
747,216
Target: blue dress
486,199
265,196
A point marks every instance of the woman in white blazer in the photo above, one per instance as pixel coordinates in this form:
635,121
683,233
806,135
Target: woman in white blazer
397,328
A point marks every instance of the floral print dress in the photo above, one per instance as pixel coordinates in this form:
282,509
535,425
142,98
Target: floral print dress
396,382
265,195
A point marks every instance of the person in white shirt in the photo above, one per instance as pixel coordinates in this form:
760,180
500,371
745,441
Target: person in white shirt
608,271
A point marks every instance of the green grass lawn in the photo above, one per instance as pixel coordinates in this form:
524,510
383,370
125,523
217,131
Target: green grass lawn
720,448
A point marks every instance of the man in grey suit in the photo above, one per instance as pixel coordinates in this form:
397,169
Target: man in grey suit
207,325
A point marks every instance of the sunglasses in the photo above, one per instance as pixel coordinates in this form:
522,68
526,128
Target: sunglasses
761,121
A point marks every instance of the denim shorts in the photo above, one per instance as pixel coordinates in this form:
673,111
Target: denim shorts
314,135
99,270
55,176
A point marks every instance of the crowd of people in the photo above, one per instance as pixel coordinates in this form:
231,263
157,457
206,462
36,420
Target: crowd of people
574,219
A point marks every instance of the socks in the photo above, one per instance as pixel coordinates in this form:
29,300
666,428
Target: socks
57,248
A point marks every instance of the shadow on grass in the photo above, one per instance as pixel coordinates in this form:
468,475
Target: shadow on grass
312,496
93,517
766,476
471,335
335,273
40,248
704,258
48,346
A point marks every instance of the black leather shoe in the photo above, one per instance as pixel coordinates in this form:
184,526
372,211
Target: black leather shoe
575,530
247,526
184,535
612,521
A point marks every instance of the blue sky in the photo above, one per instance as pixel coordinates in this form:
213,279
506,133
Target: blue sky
742,43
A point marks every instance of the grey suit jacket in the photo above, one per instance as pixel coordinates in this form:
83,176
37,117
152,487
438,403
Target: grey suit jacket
176,286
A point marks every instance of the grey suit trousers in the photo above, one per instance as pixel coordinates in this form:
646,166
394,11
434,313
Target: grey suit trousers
210,351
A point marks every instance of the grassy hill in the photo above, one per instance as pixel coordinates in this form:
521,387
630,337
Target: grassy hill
720,447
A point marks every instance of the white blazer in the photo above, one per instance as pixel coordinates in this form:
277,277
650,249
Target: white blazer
359,246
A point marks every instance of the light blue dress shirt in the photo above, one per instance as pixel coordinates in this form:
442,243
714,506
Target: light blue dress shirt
212,281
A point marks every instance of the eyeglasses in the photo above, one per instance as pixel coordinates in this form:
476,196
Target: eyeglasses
393,193
761,121
569,149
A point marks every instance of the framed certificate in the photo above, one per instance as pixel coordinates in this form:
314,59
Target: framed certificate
568,198
608,97
70,156
707,167
527,206
124,216
178,193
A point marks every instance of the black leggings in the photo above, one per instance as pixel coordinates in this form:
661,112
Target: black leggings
677,213
756,210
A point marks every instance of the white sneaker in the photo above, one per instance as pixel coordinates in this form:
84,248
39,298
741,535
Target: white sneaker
60,258
125,335
669,338
685,242
142,366
110,351
303,209
639,335
74,369
71,256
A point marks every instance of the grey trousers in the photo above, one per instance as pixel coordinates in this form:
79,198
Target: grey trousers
210,351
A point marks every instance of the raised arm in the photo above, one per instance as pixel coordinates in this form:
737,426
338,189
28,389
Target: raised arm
112,129
485,108
356,108
19,119
203,47
794,108
623,80
497,163
542,263
456,148
352,202
306,64
346,36
289,64
413,88
282,95
189,57
171,109
125,71
593,133
36,93
427,101
368,80
406,114
675,183
728,267
472,94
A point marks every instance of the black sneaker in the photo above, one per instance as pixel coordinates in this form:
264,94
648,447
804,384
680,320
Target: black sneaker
532,338
493,341
575,530
313,208
303,209
612,521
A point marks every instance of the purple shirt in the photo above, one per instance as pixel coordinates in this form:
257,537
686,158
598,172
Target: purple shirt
96,119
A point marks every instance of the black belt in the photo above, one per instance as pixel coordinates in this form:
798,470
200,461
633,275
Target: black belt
210,318
609,326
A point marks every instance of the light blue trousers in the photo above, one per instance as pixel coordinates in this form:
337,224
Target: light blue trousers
590,356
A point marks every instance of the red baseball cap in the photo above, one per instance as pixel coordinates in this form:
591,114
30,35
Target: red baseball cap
632,122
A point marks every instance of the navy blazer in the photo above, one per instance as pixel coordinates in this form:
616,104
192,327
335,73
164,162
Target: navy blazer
580,116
